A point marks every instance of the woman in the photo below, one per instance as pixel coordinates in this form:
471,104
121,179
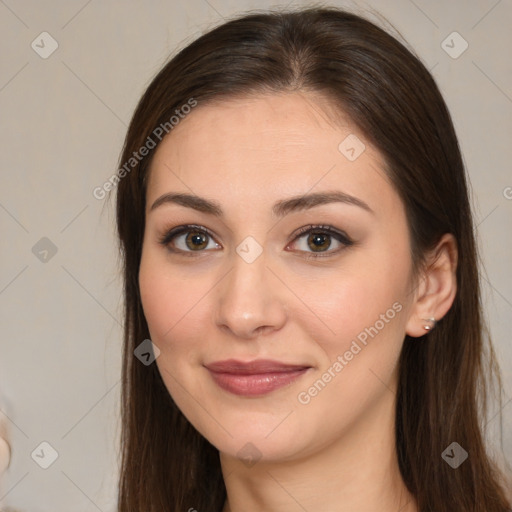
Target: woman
298,246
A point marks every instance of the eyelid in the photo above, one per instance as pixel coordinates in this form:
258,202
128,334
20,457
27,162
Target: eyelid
322,229
183,228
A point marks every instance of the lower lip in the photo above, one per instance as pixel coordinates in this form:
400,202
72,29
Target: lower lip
257,384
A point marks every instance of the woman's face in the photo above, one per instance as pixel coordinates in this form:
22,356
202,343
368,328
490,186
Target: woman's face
320,315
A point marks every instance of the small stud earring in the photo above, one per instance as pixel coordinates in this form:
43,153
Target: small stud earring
431,323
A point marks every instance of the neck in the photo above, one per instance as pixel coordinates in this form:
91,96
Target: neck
358,473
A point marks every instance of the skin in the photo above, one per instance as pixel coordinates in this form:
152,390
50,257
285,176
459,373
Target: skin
5,454
246,154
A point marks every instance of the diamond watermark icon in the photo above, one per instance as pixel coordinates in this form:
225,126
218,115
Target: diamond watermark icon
44,455
249,249
44,250
146,352
454,455
249,455
44,45
454,45
351,147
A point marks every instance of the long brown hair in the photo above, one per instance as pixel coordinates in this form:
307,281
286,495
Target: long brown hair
445,378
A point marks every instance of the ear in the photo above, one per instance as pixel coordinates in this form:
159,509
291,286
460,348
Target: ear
436,288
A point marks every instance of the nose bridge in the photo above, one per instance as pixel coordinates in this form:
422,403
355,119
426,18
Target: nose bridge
249,296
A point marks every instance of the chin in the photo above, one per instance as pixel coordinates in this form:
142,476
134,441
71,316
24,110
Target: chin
249,449
265,436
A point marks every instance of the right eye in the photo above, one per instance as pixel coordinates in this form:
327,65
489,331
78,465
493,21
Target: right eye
188,239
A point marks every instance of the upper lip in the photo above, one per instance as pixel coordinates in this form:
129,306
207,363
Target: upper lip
257,366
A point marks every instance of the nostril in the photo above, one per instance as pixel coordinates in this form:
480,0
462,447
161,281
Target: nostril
264,329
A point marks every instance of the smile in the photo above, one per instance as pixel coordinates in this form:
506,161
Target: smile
254,378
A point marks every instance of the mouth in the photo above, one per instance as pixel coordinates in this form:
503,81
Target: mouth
254,378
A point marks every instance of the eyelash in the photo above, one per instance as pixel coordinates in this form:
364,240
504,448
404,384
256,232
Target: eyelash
341,237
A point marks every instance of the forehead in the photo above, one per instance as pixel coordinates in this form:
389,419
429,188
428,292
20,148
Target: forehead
248,148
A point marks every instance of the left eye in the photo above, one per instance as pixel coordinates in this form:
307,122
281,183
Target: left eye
196,239
319,240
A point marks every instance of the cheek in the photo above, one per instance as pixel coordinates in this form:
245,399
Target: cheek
368,328
170,301
357,362
157,301
360,302
365,310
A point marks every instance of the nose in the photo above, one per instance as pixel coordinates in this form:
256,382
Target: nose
250,300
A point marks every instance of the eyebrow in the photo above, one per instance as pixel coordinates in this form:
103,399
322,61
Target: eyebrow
280,208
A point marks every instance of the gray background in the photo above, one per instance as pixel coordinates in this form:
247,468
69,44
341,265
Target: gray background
63,123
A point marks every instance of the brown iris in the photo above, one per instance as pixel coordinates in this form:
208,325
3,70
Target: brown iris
315,241
198,240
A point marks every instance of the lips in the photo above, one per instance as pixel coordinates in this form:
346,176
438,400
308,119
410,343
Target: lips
258,366
254,378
